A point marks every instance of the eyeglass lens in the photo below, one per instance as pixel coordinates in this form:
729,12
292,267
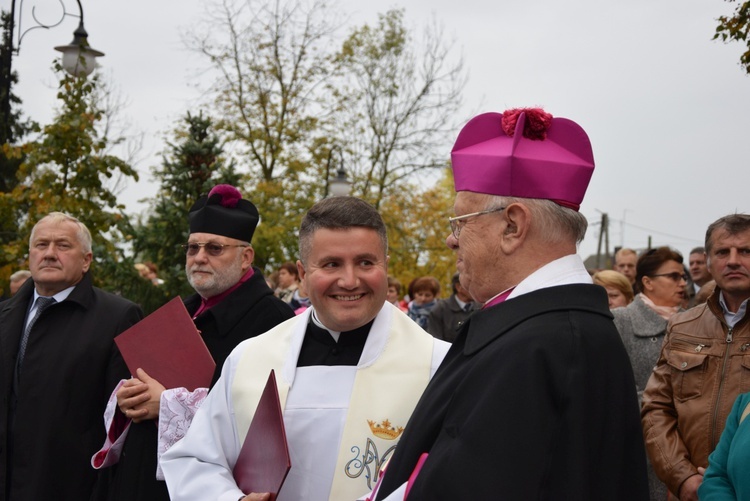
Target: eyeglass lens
674,276
211,248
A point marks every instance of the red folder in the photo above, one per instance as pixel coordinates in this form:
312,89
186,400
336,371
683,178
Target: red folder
264,461
169,348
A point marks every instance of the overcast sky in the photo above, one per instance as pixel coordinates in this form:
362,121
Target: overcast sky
667,109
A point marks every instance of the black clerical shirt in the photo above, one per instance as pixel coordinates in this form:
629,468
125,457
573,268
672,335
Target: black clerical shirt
319,347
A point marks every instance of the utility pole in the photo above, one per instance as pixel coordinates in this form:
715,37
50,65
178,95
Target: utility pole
603,235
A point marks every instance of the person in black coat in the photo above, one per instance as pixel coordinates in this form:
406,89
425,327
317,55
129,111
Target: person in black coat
447,317
54,385
232,303
536,398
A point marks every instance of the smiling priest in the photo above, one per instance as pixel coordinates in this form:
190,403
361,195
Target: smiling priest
350,370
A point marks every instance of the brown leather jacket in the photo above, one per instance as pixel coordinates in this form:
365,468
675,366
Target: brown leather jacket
702,368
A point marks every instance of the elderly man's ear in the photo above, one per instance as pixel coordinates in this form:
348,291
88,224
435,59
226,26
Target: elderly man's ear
248,255
517,219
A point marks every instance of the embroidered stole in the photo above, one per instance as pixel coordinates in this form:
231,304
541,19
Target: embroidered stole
385,391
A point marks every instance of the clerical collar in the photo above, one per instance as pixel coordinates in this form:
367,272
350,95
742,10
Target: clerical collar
334,334
212,301
320,349
365,329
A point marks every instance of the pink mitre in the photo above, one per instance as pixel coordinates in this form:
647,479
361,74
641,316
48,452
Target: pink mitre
524,153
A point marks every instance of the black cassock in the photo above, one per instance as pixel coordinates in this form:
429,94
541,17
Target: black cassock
535,400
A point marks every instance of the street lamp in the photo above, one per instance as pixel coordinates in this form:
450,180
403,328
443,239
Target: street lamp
78,56
340,185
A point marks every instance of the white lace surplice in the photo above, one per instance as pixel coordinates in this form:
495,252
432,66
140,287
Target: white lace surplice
176,410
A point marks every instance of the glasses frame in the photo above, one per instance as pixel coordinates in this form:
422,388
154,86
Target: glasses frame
456,228
682,276
204,245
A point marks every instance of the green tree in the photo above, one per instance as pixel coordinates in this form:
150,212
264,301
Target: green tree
399,96
417,221
737,28
67,170
13,128
192,166
270,56
297,106
272,59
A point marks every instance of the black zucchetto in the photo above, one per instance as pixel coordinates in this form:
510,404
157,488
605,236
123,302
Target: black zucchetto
224,212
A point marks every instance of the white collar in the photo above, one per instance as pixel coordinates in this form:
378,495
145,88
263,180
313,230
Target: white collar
563,271
59,297
374,346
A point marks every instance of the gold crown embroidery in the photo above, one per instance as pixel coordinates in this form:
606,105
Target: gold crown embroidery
384,430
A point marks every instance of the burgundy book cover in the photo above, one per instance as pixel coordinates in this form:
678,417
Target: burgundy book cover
169,348
264,461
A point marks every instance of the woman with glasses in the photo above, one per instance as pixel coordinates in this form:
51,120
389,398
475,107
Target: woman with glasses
660,280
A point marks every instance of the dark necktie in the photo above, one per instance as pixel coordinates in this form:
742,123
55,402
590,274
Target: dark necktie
42,303
467,307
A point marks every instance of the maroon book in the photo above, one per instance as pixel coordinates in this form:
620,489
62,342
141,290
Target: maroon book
264,461
169,348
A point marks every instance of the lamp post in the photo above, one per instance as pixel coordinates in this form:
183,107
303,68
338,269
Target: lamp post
340,185
78,56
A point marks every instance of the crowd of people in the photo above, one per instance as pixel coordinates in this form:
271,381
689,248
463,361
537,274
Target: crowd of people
686,334
535,378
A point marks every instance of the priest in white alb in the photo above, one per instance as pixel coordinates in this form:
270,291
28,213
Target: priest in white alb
349,371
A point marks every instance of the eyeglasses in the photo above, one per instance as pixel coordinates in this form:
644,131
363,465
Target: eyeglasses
456,228
212,248
676,276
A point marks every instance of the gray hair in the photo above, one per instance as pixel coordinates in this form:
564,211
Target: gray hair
83,233
339,213
20,275
553,222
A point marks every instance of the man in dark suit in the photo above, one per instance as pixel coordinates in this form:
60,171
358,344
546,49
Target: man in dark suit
536,398
447,317
58,365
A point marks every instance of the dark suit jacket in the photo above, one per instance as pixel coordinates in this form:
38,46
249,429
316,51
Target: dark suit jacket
447,317
69,370
534,400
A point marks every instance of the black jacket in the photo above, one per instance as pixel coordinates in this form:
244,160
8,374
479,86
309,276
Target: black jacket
535,400
69,370
447,317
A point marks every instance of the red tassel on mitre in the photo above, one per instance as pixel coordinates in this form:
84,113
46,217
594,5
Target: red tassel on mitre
535,126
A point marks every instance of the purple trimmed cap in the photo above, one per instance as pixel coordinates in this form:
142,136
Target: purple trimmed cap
224,212
524,153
